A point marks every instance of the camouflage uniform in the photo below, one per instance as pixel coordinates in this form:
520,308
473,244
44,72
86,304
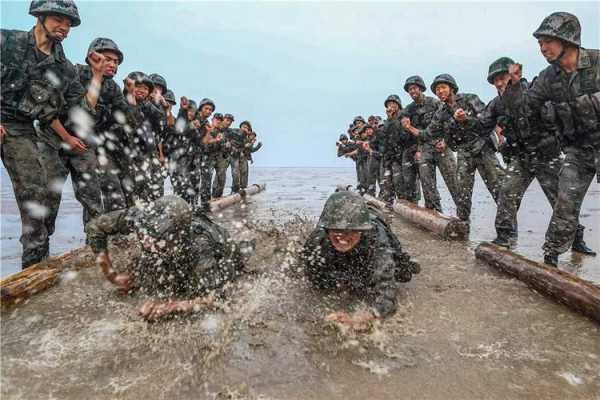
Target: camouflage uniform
392,155
420,114
576,102
35,86
249,148
222,160
180,150
473,145
197,256
373,269
237,139
376,143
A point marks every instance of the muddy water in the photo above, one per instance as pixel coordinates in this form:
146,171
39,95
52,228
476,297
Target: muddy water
462,331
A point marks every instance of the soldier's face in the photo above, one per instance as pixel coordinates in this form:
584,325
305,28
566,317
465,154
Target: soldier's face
58,26
501,81
206,110
442,91
344,240
244,128
227,122
391,108
359,124
216,122
112,63
551,48
369,132
415,92
141,92
191,114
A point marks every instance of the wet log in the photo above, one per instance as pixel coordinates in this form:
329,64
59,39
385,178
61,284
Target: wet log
447,227
561,286
219,204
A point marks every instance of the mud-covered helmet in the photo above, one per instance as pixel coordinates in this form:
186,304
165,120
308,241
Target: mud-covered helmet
104,44
170,97
561,25
499,66
393,97
158,80
444,78
67,8
141,78
168,215
343,136
205,102
345,211
414,80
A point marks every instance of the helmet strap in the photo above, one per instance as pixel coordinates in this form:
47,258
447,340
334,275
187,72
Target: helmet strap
51,37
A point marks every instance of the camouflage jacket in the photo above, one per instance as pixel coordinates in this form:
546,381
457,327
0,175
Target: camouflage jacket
421,114
574,97
395,138
467,135
36,86
237,139
373,268
201,259
250,147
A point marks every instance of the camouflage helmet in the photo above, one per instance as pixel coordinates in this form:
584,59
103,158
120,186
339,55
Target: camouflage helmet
561,25
168,215
170,97
141,78
247,123
393,97
343,136
218,116
444,78
498,67
158,80
67,8
229,116
205,102
192,106
414,80
104,44
358,118
345,211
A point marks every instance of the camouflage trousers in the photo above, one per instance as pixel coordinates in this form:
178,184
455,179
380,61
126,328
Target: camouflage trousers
362,171
180,172
204,165
218,186
446,162
235,174
20,156
393,181
375,175
491,172
574,179
58,164
116,183
244,172
410,176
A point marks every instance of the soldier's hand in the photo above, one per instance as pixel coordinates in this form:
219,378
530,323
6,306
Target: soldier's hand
183,102
418,156
76,145
154,310
460,115
2,132
129,85
359,321
97,62
405,121
196,124
516,72
440,146
123,282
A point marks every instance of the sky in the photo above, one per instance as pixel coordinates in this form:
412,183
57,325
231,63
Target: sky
301,71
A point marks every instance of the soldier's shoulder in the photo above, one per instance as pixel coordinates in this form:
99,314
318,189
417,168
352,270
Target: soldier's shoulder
12,37
432,101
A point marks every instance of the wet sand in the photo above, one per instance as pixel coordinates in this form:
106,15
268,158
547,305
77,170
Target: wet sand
462,331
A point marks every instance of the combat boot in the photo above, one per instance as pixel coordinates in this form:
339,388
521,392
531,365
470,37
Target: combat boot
551,259
503,241
580,246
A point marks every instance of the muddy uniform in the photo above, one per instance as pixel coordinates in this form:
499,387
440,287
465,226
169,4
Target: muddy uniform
35,86
198,257
222,161
410,176
204,161
393,151
376,143
473,145
420,115
372,270
237,139
249,148
576,101
180,150
362,163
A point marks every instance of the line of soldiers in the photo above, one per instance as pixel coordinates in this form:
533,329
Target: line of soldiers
118,145
548,129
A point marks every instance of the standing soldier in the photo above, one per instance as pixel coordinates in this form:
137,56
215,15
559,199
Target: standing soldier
237,140
432,153
456,122
249,148
393,149
222,154
572,84
204,145
39,83
353,248
185,181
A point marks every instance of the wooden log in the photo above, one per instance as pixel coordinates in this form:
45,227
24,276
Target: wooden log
561,286
448,228
219,204
26,283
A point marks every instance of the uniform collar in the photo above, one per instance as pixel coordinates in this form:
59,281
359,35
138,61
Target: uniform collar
57,54
584,59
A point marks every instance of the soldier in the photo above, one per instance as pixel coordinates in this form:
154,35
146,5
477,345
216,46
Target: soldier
249,148
432,153
377,173
344,146
222,156
456,122
393,149
39,83
204,146
353,248
374,148
185,181
184,255
571,83
237,140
